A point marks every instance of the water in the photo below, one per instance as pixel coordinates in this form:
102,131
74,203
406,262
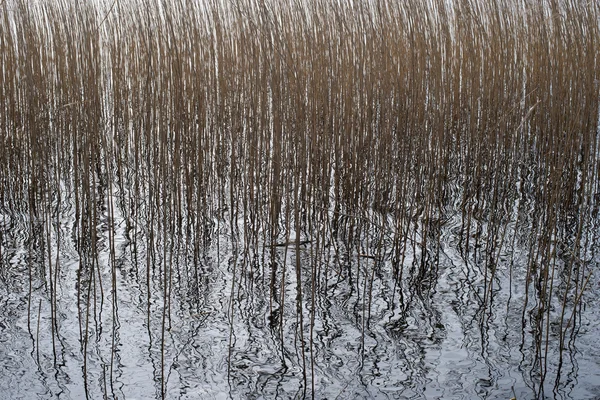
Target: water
162,317
330,200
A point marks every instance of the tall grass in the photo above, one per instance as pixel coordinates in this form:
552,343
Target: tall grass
361,130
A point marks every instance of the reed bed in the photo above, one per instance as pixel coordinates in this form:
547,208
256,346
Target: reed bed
320,143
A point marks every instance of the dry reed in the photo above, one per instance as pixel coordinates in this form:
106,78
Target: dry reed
365,127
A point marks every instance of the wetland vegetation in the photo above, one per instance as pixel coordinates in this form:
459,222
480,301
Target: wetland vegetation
299,199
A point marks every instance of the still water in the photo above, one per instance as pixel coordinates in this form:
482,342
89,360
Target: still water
165,318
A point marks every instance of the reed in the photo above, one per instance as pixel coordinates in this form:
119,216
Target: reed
364,130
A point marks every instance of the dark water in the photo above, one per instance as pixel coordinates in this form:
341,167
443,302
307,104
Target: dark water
205,323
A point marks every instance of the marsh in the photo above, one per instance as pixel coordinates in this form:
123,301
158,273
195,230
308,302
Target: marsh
306,199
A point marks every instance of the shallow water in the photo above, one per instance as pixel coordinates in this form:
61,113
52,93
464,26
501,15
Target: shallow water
332,200
217,331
